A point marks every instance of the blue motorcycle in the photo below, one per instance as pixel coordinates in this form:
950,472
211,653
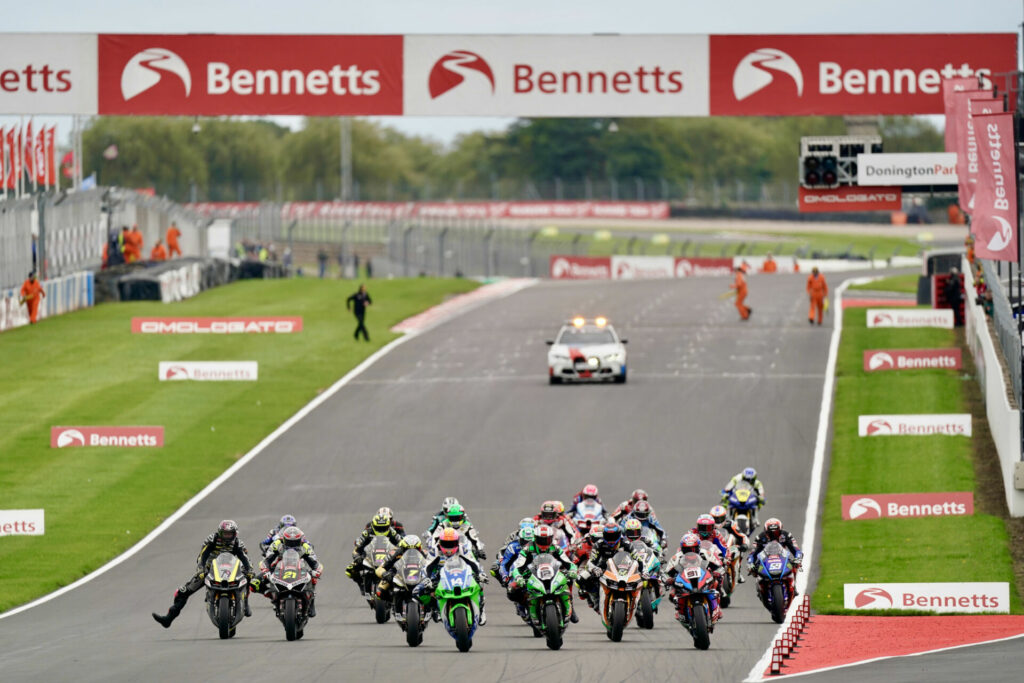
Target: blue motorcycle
776,579
693,591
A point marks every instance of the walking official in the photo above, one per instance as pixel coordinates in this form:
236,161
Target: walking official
817,290
31,293
357,303
740,286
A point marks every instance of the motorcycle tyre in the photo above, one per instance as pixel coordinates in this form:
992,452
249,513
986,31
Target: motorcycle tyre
778,604
291,619
224,616
701,637
552,627
463,641
413,635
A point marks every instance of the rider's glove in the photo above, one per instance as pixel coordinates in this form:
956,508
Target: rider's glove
379,571
481,554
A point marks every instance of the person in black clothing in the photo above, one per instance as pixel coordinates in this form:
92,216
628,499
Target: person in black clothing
954,296
361,300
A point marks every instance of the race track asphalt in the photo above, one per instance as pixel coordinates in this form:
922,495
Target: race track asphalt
465,409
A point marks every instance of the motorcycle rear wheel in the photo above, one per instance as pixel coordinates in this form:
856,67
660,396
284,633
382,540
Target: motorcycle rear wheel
778,604
701,637
413,636
645,612
224,616
552,627
291,628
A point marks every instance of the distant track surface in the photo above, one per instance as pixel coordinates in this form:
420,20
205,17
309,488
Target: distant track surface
465,410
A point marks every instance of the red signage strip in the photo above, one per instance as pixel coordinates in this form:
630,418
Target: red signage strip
392,210
280,325
873,506
994,220
581,267
850,199
700,266
122,437
250,74
758,75
912,359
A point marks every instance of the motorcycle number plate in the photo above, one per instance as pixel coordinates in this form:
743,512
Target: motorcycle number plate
692,573
775,566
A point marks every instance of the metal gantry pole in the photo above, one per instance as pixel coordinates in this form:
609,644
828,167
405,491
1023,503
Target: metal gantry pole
345,140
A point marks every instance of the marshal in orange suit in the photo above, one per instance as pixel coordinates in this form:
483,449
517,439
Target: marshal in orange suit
31,294
817,290
740,285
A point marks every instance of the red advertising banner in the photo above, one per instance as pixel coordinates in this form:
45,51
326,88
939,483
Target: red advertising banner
994,222
964,105
581,267
391,210
701,267
949,87
123,437
874,506
250,74
850,198
912,359
208,325
848,74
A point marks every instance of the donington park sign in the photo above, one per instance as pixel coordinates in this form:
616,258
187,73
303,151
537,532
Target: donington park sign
487,75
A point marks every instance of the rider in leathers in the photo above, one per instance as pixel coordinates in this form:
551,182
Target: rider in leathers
290,537
543,542
727,526
690,543
449,547
612,541
380,525
773,531
224,540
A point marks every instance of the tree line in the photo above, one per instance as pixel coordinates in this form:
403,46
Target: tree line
231,159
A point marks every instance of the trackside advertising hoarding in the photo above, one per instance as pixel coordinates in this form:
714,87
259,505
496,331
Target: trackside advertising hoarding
635,267
124,437
212,325
48,73
936,168
878,505
876,360
209,371
910,317
849,198
22,523
556,75
932,597
955,424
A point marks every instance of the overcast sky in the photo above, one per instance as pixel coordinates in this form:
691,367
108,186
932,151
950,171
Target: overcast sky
505,16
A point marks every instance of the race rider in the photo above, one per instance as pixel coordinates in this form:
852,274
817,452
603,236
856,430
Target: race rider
457,520
448,547
644,513
588,492
290,538
273,534
399,527
442,515
728,526
511,553
612,541
380,525
385,572
690,543
224,540
509,540
550,515
773,531
543,542
626,506
748,475
706,530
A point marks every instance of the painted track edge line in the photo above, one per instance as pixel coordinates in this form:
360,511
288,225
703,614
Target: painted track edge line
885,657
241,462
817,473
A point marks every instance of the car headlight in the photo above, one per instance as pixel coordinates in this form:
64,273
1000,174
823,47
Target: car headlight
614,358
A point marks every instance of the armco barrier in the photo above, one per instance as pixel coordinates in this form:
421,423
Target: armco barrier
63,294
1003,419
567,267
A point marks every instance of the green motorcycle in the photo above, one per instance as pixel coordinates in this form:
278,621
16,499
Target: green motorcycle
458,600
547,598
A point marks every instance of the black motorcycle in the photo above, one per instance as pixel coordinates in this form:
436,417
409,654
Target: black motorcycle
226,593
290,589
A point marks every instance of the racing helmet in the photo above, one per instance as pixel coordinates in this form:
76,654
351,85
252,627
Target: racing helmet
559,507
447,503
773,528
750,474
456,515
543,536
642,511
527,522
596,531
227,530
612,534
705,526
589,491
719,513
292,537
689,543
386,511
286,521
411,541
526,536
633,529
639,494
548,511
448,543
380,524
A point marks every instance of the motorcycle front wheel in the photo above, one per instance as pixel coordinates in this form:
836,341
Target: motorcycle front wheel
645,612
618,621
413,635
552,626
701,637
224,616
462,638
778,604
380,610
290,618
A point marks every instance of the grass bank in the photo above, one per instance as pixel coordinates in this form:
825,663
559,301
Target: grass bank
904,284
928,549
86,368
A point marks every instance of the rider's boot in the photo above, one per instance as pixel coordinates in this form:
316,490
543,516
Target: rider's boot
173,612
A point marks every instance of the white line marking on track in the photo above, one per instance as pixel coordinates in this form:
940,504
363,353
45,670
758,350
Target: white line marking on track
817,470
245,459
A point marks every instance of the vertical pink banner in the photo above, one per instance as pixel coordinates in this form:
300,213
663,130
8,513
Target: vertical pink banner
994,222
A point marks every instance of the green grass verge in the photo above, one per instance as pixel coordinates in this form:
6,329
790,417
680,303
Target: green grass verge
954,549
896,283
87,368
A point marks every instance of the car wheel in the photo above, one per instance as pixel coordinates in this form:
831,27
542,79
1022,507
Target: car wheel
554,380
620,379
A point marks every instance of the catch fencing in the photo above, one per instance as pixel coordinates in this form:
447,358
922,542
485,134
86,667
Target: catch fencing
1005,324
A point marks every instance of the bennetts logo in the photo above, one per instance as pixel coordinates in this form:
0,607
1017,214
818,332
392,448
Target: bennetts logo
865,508
146,69
757,70
452,69
873,598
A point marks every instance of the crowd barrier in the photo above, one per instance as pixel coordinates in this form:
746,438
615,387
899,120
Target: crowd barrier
63,294
1003,418
179,279
566,267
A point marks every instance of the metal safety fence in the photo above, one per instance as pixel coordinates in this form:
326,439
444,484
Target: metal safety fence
1005,323
16,246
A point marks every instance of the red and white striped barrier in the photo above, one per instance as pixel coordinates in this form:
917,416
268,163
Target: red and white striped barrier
786,644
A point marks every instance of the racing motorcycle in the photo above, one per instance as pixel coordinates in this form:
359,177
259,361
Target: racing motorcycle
547,598
731,570
458,601
650,593
776,576
375,554
621,584
226,592
410,614
728,570
290,589
588,511
743,503
692,589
